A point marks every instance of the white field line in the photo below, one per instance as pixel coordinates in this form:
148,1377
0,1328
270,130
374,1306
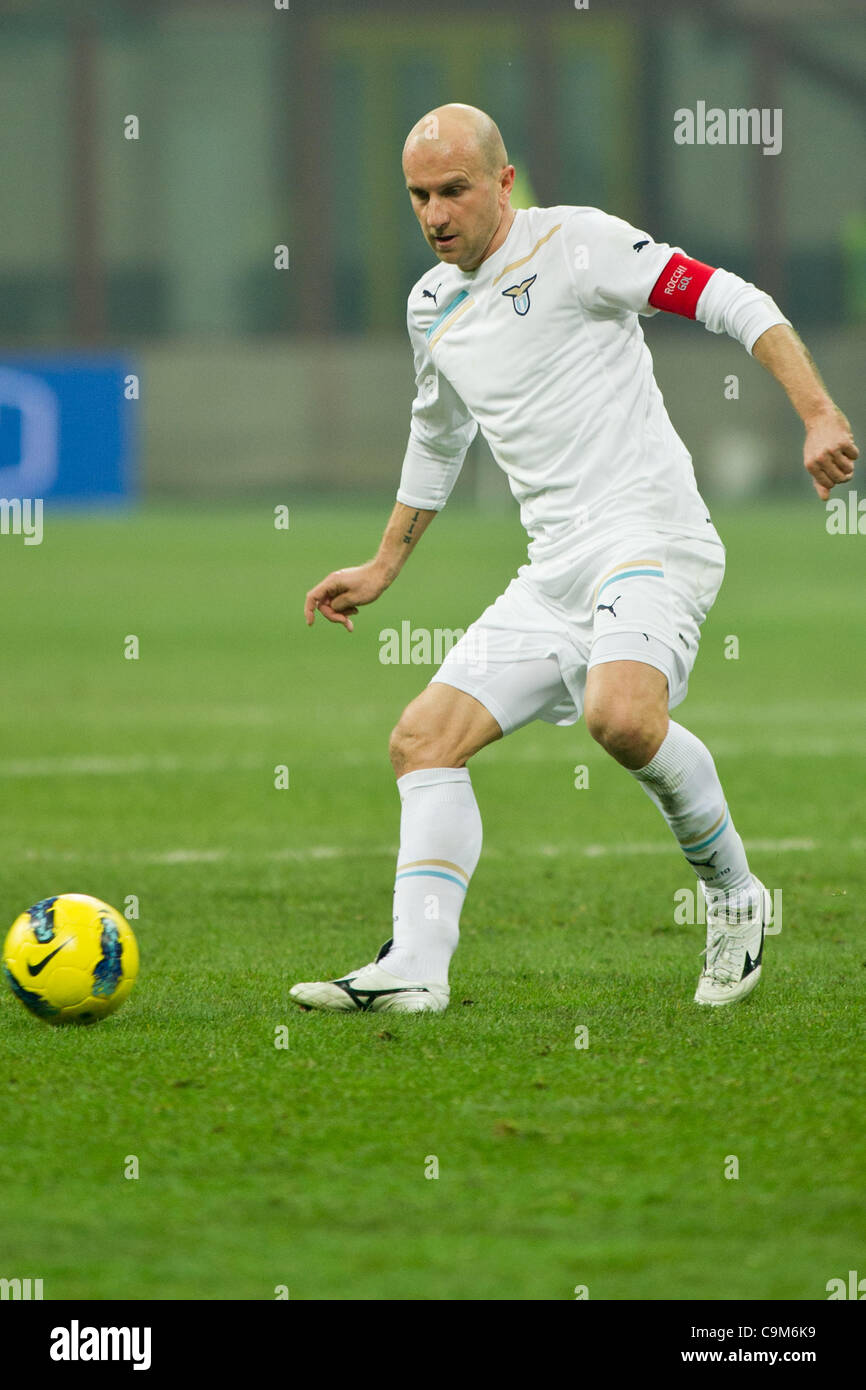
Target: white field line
757,745
315,852
129,765
761,746
706,716
125,765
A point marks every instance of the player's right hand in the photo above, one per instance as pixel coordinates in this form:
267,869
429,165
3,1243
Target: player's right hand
339,596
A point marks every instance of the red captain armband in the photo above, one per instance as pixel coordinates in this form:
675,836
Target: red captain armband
680,285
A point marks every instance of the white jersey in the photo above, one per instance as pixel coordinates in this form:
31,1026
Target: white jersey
541,348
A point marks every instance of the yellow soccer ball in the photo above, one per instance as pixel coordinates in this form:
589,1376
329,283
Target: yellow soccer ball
71,959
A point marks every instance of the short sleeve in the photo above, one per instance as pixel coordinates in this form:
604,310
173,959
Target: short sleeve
614,265
440,432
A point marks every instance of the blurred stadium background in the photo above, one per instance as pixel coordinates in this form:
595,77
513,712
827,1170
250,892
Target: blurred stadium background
261,127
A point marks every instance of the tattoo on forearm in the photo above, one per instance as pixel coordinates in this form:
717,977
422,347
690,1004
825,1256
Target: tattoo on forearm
407,539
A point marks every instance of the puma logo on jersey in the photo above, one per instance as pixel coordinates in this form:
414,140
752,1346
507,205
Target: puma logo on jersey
519,295
431,294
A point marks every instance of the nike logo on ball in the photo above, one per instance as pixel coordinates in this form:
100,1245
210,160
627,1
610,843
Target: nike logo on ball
37,969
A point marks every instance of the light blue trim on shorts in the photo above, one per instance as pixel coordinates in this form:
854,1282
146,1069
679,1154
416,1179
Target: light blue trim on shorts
630,574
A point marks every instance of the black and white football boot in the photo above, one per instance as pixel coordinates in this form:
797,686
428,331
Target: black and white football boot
372,990
734,950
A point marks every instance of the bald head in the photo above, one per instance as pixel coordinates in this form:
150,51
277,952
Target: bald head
463,131
460,182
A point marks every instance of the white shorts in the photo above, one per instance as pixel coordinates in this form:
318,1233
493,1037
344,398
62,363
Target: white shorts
639,599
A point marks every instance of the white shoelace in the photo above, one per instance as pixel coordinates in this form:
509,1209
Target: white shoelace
721,963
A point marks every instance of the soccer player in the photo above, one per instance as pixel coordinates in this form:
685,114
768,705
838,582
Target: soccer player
528,328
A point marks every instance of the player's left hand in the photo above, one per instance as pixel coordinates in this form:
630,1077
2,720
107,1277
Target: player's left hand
829,451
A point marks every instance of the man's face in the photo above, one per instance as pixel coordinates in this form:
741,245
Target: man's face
458,204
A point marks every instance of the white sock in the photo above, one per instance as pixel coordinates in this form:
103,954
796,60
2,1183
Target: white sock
440,844
683,782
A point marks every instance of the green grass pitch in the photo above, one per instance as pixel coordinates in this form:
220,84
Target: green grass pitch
304,1166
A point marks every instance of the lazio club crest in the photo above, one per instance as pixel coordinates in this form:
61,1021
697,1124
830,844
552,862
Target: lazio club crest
519,295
